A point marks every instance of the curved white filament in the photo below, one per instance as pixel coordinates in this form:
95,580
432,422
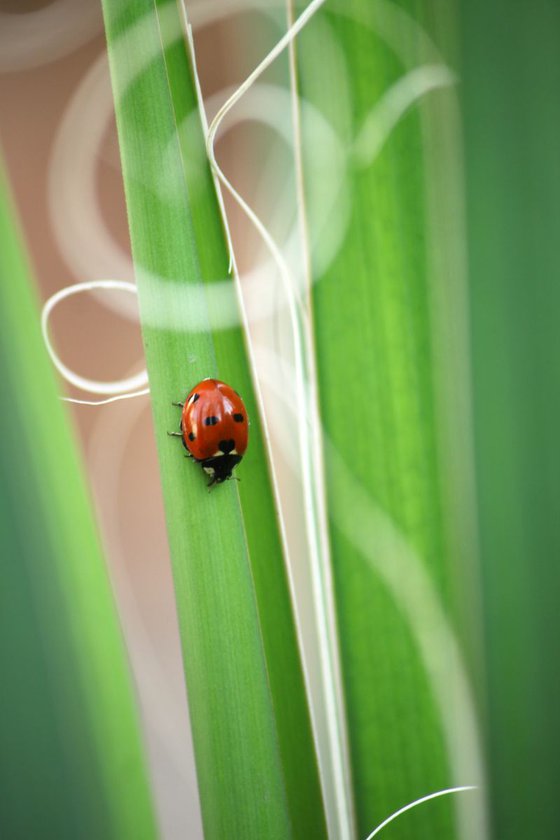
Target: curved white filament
143,392
418,802
135,384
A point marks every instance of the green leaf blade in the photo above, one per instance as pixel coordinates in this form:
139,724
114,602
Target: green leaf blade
377,334
255,758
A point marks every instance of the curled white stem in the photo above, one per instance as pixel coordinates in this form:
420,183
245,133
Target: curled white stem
132,386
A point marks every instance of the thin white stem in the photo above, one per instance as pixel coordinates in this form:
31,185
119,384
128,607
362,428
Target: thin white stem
418,802
120,397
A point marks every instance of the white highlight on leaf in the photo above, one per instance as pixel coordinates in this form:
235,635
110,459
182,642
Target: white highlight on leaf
393,105
418,802
135,384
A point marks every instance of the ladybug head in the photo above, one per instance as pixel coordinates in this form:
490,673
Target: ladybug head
220,467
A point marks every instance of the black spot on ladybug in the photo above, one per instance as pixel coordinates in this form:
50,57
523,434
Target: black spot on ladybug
194,398
210,421
226,446
191,436
238,418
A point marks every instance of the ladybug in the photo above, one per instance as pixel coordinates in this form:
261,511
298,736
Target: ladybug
214,428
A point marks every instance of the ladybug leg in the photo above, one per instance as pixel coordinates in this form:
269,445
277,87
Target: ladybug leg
180,434
179,404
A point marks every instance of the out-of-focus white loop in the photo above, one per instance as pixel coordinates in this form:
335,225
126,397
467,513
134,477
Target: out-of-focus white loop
85,242
394,104
118,389
33,38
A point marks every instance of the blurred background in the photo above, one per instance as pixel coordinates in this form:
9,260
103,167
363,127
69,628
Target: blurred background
61,153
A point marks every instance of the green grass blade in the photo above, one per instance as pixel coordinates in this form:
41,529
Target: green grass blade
511,73
255,759
380,326
72,763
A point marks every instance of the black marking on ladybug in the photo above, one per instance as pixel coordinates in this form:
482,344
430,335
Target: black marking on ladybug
210,421
238,418
222,465
192,436
226,446
195,397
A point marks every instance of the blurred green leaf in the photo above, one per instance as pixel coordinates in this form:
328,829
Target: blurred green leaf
72,763
511,78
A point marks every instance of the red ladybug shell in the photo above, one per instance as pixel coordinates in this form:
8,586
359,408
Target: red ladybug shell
215,427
